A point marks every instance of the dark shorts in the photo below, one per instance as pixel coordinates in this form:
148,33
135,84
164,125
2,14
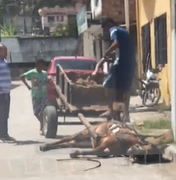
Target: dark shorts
4,114
118,79
39,105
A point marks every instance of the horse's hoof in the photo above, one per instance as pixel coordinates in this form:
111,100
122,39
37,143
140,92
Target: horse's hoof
43,148
74,154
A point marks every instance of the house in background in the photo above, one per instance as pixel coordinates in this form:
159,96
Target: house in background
154,39
51,17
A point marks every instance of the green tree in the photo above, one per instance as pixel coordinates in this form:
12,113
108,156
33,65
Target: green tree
60,30
66,30
2,10
72,27
7,30
3,6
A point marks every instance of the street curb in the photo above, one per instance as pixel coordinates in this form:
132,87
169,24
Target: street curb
170,152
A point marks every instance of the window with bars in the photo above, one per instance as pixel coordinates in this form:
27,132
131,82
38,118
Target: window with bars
160,25
60,18
146,47
51,19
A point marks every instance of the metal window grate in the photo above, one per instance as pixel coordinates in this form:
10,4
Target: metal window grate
146,47
160,25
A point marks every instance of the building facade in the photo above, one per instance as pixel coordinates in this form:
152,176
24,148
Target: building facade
154,40
51,17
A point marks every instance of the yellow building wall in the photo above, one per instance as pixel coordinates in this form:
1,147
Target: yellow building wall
146,11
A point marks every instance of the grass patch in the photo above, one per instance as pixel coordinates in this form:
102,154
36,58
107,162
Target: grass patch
153,124
151,132
157,131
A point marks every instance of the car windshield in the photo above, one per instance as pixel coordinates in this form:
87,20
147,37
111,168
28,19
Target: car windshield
76,64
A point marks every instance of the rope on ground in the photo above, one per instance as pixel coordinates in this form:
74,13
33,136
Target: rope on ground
84,159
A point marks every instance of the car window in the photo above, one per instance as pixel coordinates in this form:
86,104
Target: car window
76,64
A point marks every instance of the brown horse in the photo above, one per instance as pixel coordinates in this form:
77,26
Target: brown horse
108,138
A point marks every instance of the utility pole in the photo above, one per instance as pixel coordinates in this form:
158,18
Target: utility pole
127,14
173,71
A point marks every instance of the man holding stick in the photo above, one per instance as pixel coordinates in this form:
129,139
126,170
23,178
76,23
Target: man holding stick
121,74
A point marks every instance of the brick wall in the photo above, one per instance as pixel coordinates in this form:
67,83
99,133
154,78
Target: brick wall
115,10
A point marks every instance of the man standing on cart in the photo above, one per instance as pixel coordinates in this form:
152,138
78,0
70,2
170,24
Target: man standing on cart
121,74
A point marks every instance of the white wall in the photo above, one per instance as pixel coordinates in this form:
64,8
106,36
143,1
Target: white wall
105,46
96,10
98,51
88,49
22,50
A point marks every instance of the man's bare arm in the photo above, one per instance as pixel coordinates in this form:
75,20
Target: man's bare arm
22,77
113,47
99,64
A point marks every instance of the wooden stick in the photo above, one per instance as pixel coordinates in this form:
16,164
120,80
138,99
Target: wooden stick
87,125
62,96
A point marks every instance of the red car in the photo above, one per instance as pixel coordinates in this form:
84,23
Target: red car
68,63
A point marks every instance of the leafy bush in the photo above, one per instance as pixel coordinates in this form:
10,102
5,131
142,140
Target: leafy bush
7,30
66,30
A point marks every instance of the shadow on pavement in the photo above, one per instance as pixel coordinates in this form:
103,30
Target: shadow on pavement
13,86
152,159
142,109
28,142
61,136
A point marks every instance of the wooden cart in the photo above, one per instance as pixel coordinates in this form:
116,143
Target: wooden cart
74,95
77,94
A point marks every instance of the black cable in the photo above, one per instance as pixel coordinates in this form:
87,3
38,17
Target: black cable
83,159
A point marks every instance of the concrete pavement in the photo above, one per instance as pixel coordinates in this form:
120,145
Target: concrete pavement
24,161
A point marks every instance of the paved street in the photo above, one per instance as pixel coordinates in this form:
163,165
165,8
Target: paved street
25,161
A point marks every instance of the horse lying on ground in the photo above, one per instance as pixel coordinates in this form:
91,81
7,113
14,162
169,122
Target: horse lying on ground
110,138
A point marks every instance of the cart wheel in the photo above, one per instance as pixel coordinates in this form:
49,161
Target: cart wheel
50,122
